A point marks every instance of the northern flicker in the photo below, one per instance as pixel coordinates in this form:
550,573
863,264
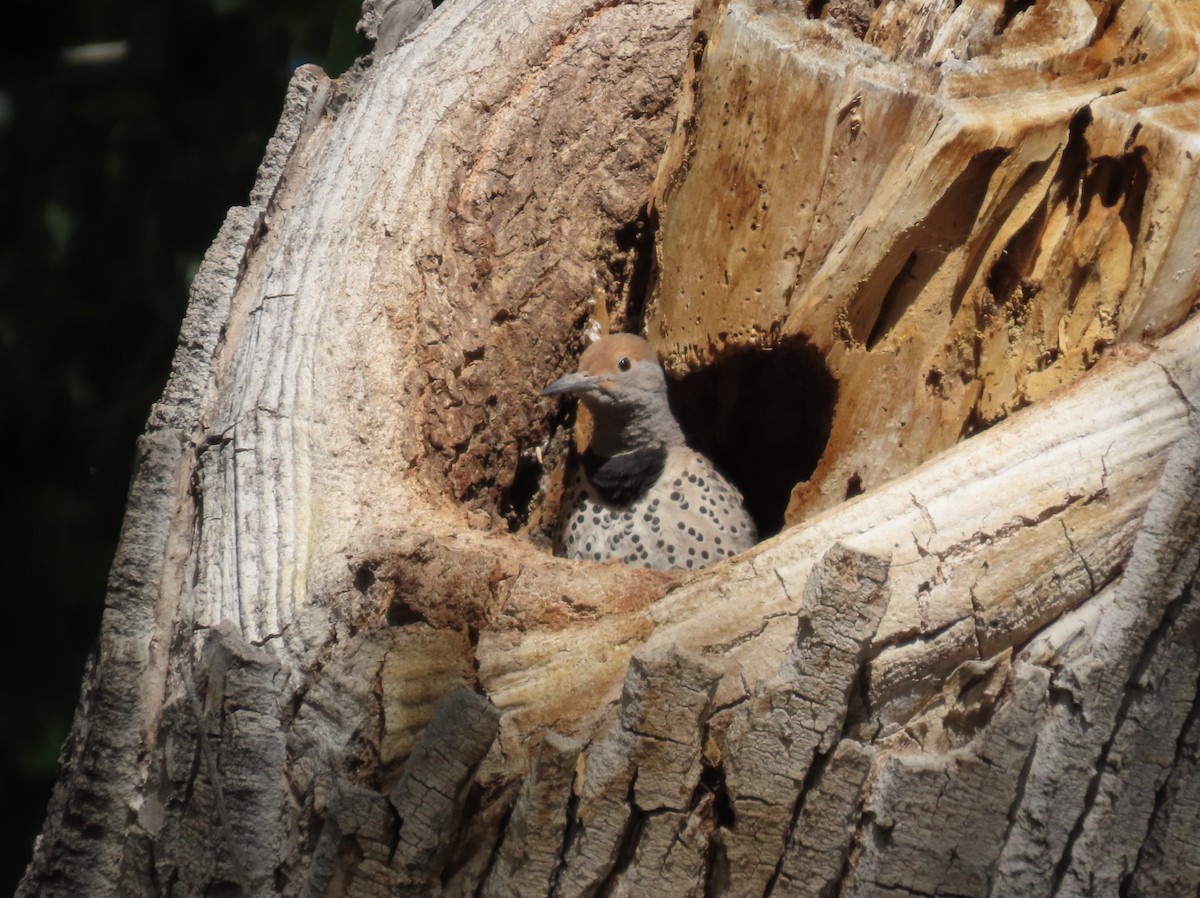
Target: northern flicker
640,495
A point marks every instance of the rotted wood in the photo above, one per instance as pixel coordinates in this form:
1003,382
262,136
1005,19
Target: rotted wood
960,207
338,658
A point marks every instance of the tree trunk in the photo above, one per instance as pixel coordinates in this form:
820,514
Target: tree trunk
924,272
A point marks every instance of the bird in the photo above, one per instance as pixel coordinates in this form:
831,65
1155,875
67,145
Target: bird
640,494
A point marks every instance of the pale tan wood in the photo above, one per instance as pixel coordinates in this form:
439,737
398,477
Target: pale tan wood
961,224
339,660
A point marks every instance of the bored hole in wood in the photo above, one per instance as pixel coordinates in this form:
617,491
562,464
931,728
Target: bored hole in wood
854,486
364,577
400,613
763,415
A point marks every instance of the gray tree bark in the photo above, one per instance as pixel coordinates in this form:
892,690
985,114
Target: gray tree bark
337,657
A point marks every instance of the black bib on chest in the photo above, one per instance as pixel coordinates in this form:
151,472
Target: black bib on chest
624,478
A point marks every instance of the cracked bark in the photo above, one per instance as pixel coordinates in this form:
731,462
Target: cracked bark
337,658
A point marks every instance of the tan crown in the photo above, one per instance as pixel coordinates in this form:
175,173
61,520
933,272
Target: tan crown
604,356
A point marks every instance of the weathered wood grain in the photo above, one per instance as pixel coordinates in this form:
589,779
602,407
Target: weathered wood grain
961,208
337,657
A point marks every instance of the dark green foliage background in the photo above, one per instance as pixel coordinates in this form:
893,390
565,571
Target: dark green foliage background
114,178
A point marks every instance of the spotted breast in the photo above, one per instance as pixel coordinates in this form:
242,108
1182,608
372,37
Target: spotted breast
640,495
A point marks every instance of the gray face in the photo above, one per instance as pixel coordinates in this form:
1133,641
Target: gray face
642,384
622,384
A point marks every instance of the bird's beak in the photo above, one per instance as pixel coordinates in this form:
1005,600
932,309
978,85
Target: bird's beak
579,382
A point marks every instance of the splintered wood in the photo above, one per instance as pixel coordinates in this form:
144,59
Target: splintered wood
337,661
961,212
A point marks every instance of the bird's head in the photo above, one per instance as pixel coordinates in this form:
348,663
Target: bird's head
620,369
621,382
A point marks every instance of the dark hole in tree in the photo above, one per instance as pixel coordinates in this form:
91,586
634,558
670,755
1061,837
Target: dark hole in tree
854,486
515,501
400,613
712,781
763,415
364,577
633,263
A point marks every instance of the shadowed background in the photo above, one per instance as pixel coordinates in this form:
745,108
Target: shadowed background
127,128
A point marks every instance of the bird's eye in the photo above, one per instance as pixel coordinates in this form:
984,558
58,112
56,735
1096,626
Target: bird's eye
624,364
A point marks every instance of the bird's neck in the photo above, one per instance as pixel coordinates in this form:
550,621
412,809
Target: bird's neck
620,430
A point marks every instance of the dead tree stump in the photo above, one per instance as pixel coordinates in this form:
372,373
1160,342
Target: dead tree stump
924,274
